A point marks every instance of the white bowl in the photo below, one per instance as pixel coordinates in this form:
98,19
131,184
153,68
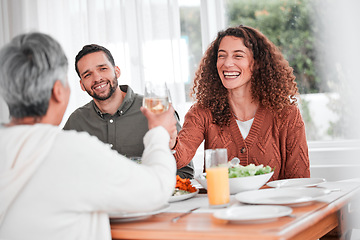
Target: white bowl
241,184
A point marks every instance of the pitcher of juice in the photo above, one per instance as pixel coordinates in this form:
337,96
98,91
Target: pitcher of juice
217,177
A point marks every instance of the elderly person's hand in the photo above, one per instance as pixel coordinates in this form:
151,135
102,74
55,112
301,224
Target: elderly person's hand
165,119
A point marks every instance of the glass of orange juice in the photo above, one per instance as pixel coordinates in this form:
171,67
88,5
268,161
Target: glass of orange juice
217,177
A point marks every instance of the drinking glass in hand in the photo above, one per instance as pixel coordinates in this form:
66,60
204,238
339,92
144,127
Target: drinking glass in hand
156,97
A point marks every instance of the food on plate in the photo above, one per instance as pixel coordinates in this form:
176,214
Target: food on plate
183,186
249,170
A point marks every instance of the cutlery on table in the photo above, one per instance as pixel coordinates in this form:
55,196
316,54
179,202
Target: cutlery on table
175,219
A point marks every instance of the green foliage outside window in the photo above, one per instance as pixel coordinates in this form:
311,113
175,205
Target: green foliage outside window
295,27
288,24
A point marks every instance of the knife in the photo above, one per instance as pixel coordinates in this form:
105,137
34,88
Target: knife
175,219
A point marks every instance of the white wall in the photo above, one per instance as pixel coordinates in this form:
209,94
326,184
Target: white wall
335,160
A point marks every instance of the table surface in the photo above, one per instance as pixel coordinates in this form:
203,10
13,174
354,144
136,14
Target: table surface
311,221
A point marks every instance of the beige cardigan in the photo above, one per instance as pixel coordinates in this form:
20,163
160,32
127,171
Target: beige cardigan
274,140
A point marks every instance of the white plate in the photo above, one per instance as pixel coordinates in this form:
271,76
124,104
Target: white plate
296,182
129,217
281,196
183,197
253,214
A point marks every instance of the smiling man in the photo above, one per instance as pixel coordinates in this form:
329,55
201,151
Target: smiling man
105,78
114,114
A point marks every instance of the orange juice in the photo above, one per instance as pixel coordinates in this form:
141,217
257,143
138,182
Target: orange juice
218,186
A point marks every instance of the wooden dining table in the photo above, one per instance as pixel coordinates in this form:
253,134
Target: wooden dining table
326,218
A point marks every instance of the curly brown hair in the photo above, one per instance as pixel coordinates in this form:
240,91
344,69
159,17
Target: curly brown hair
272,83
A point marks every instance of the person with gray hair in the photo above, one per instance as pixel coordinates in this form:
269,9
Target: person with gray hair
33,65
57,184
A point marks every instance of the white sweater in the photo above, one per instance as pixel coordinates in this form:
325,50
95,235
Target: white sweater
58,184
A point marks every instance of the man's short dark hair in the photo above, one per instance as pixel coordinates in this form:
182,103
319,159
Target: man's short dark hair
91,48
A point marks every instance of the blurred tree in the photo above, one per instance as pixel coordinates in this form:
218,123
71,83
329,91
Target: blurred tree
295,26
288,24
191,30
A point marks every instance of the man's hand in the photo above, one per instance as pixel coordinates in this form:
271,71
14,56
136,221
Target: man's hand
165,119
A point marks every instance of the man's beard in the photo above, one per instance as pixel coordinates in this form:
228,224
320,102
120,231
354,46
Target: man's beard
107,96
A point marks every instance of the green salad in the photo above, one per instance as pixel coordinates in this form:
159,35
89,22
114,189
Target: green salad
249,170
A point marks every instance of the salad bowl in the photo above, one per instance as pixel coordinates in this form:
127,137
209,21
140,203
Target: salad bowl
241,183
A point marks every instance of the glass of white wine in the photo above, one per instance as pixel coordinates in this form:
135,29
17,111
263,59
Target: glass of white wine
156,97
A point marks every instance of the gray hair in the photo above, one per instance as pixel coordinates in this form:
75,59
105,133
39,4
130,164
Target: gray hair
29,66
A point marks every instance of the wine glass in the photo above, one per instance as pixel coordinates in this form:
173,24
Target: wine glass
156,97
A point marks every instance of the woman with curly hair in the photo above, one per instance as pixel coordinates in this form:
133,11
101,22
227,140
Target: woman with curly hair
245,102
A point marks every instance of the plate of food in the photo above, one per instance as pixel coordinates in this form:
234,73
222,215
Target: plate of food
296,182
183,190
130,217
253,214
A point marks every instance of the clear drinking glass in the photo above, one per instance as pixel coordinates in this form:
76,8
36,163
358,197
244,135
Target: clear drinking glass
156,97
217,177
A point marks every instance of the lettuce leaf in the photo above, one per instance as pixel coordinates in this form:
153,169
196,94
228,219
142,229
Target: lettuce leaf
249,170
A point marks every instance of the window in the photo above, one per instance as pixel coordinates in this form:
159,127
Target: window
304,31
295,26
190,24
134,30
